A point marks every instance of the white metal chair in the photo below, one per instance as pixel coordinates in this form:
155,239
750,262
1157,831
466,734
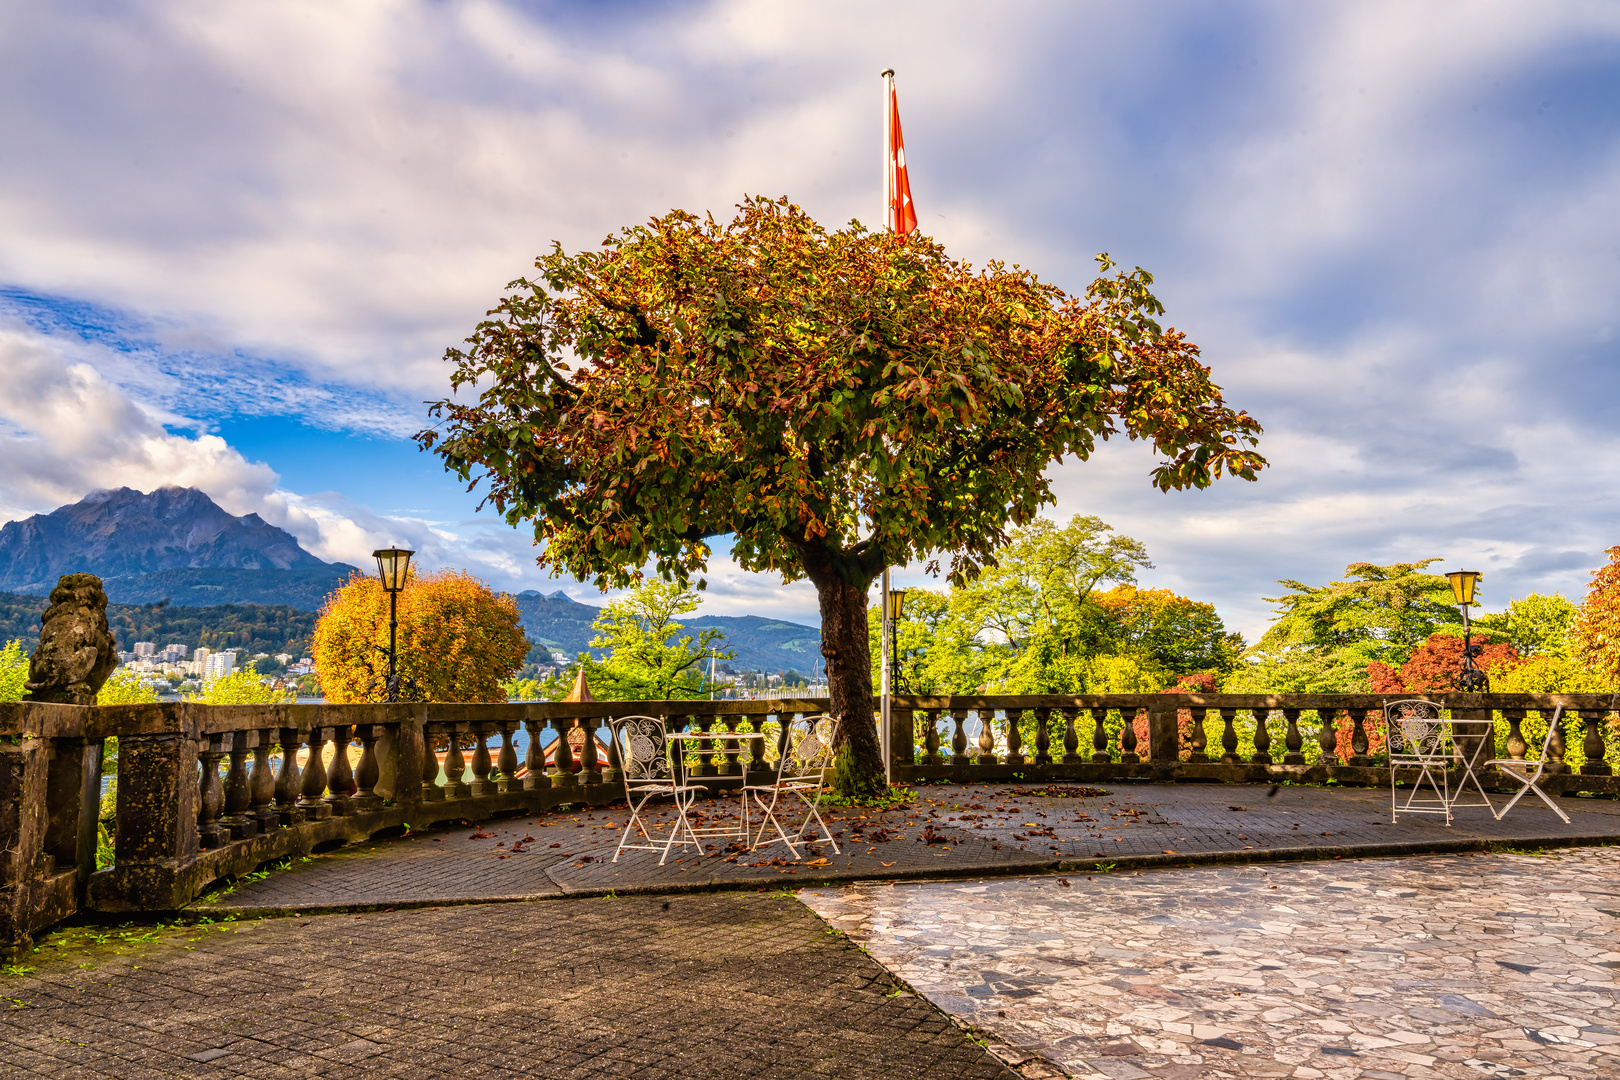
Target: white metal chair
1417,736
801,774
643,747
1528,772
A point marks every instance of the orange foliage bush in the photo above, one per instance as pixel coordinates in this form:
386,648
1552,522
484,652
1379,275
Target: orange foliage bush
458,639
1596,632
1434,666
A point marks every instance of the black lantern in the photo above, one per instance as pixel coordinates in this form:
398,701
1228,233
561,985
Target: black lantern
897,603
1470,679
393,568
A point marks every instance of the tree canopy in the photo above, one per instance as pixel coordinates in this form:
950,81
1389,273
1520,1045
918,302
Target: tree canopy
1596,629
458,640
642,662
837,402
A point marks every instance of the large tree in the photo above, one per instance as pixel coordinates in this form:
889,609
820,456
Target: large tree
835,402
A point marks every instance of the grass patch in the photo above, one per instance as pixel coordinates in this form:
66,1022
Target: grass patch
889,799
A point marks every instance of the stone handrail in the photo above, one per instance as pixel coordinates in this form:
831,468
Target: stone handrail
208,791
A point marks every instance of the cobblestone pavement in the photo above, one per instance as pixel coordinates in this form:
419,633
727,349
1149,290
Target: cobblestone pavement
974,829
735,985
1456,966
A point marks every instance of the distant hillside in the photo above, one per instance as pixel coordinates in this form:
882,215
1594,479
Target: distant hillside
126,533
303,587
760,644
266,628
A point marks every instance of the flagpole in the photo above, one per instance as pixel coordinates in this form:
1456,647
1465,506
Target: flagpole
883,596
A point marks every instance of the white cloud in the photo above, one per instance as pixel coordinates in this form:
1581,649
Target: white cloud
1368,214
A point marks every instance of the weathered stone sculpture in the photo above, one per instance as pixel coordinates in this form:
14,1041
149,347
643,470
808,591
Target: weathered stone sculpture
76,649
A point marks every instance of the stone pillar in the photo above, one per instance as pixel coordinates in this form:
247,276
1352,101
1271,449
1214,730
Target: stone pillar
156,831
1162,735
72,804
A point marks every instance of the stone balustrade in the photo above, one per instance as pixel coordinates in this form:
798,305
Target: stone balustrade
210,792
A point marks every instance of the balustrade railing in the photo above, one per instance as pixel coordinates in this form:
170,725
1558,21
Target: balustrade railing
205,792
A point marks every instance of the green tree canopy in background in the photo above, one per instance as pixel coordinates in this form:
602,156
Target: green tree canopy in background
1536,625
240,688
643,663
13,670
836,402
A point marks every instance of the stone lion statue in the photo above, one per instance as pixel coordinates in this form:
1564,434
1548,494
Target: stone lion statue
76,649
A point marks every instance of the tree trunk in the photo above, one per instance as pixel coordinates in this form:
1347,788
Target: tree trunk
859,771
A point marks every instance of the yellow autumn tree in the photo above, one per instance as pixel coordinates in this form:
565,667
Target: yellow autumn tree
458,640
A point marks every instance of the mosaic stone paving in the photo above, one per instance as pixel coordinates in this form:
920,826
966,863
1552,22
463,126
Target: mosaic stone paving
1457,966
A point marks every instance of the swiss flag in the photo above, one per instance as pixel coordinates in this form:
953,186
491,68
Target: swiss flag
902,214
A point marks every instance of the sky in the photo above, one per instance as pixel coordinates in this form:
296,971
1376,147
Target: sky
236,239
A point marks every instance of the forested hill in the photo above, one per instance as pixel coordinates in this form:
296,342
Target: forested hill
259,628
563,624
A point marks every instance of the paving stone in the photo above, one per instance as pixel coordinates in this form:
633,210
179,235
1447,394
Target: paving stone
713,985
1461,966
1003,828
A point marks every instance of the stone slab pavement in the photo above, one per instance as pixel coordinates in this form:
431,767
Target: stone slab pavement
947,830
732,985
1465,966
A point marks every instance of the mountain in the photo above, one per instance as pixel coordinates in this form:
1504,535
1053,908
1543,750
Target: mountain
125,533
302,587
563,624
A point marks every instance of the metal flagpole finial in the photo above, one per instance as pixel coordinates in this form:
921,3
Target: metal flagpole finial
886,73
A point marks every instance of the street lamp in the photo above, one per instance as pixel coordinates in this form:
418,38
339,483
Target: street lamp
393,567
1471,679
897,601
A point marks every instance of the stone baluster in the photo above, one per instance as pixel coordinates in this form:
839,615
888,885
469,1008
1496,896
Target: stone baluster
288,780
263,783
210,795
314,784
562,755
1229,740
507,761
1198,738
369,772
588,761
1043,736
931,740
482,765
1099,736
431,791
1293,740
1592,744
1515,735
1071,738
705,748
731,763
1015,737
758,769
614,774
1359,747
1557,747
238,795
959,740
455,765
1327,737
340,785
1262,737
1127,737
987,737
534,759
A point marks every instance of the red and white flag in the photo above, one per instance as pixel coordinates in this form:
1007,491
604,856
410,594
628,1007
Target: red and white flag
902,214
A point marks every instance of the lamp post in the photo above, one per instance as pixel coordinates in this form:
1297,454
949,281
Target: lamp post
897,600
393,565
1470,679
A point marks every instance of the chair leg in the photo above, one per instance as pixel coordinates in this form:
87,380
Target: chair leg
769,811
635,819
1550,804
680,824
813,813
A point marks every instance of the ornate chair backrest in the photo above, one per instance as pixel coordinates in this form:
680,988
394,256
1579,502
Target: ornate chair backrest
810,741
643,744
1414,729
